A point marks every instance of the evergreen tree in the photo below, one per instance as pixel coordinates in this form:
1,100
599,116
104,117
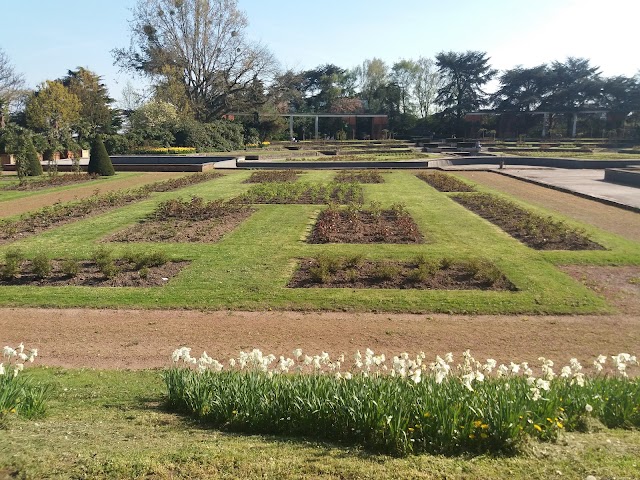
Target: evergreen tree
99,161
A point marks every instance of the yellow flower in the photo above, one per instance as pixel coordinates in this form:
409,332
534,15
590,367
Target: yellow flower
411,429
560,425
537,427
427,414
472,436
484,426
549,420
477,423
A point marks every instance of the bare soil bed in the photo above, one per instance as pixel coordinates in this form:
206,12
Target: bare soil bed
419,274
533,230
616,220
89,275
186,221
353,225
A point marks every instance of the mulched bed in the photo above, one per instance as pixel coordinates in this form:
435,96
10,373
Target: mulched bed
535,231
400,275
445,183
266,176
352,225
193,221
90,276
359,176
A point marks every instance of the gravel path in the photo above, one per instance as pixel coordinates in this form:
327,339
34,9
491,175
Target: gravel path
135,339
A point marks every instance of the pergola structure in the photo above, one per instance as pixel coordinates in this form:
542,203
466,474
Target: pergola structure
379,122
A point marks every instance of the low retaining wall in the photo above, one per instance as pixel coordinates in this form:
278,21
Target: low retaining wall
330,165
166,159
629,177
165,167
536,162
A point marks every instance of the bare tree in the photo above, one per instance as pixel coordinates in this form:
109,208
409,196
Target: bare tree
11,85
427,83
199,45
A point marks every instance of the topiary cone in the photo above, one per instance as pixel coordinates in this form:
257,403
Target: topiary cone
99,160
33,162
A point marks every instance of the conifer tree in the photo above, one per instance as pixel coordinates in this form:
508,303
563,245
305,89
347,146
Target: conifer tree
99,160
34,167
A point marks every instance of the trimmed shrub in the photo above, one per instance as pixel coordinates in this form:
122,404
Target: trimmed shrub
99,161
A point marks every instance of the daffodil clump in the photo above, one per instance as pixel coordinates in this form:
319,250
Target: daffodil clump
403,404
17,394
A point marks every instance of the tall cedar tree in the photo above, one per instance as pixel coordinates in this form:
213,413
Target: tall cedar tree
99,161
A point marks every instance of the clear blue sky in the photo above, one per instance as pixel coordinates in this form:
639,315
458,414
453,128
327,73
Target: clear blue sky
45,38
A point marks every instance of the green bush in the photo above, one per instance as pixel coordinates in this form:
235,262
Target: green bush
219,135
103,259
41,265
99,161
117,144
70,267
12,264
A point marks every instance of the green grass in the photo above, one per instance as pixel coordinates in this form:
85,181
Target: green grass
251,266
112,424
6,195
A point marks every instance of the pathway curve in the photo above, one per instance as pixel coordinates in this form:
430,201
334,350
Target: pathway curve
40,200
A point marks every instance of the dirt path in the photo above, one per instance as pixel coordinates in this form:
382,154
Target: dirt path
616,220
34,202
135,339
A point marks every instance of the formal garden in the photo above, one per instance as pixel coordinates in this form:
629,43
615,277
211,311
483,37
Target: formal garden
251,240
352,241
348,241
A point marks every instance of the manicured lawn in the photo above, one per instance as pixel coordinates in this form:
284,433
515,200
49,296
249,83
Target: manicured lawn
251,266
113,424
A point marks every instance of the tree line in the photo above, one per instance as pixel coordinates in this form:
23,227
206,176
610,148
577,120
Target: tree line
203,67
